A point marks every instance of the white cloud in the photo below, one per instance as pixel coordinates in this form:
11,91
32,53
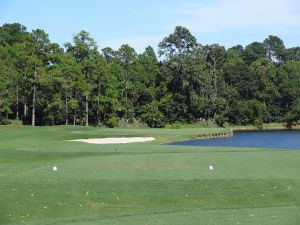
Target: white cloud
256,18
226,15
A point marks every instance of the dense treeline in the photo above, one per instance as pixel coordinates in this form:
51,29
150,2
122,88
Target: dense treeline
42,83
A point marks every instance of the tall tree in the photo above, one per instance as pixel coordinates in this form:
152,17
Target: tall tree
37,47
179,42
253,52
215,59
84,49
289,85
143,87
275,48
7,75
127,57
185,73
65,76
11,34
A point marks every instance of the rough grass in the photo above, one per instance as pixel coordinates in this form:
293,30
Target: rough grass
142,183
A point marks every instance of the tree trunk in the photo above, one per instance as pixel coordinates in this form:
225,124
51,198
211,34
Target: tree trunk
67,110
33,99
215,79
17,113
215,84
86,111
126,94
25,110
98,105
74,118
126,84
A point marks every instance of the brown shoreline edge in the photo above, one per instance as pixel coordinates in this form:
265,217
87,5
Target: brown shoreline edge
229,133
225,134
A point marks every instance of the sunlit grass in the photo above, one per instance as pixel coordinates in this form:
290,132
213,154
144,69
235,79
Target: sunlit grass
142,183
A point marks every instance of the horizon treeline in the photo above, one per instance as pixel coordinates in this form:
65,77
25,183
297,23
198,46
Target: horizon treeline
43,83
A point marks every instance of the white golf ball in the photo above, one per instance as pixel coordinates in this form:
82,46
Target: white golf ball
54,168
211,167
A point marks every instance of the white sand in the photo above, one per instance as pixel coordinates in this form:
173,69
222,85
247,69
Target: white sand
121,140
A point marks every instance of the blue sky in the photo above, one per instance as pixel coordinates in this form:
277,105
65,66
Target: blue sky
141,23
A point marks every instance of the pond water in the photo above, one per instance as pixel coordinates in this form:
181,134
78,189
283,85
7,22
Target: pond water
280,139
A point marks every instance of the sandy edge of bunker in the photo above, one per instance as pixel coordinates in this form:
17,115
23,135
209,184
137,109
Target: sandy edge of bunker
118,140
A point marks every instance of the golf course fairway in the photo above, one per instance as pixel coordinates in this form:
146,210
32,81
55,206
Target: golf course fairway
142,183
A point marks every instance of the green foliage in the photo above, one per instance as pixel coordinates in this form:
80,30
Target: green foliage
151,115
180,42
293,116
11,122
44,83
198,124
253,52
221,120
4,122
258,123
134,123
251,112
275,48
112,121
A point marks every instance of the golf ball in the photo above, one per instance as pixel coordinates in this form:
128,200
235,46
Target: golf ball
211,167
54,168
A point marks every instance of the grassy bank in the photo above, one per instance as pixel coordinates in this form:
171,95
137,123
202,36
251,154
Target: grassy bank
265,126
142,183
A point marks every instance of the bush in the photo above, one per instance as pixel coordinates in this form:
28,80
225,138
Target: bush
16,122
176,125
226,124
152,116
134,123
221,120
11,122
112,122
199,124
4,122
258,123
154,120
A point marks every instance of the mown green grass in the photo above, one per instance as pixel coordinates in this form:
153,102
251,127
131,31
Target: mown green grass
146,183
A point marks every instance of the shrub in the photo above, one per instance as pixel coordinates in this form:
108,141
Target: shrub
221,120
112,122
11,122
134,123
176,125
4,122
258,123
152,116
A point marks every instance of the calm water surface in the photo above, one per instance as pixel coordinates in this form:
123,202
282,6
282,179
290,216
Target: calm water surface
281,139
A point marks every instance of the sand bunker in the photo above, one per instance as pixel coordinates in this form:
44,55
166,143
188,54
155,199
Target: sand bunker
120,140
